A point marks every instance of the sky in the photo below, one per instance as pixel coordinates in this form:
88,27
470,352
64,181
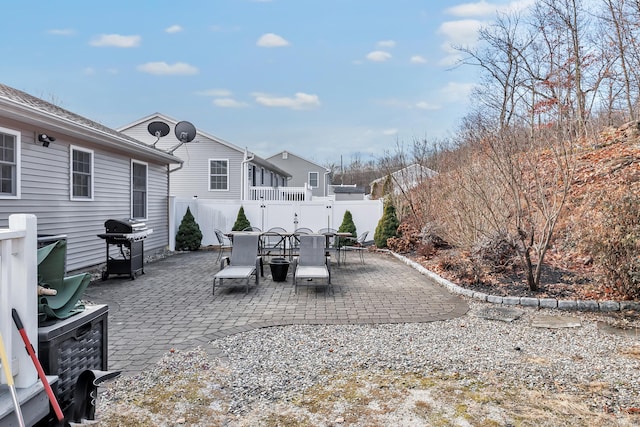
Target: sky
328,80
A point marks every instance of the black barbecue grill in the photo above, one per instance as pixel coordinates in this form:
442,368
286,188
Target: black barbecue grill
127,236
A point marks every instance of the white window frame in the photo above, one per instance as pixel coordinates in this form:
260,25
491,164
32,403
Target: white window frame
146,189
209,175
17,183
317,174
72,149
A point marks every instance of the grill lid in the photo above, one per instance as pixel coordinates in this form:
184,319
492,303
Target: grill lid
127,225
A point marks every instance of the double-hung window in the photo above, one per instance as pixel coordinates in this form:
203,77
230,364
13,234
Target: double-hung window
313,179
9,163
138,190
81,174
218,174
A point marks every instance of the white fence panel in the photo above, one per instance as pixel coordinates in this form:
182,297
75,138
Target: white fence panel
314,214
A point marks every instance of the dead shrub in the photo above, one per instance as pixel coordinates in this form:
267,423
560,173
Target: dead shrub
613,241
499,253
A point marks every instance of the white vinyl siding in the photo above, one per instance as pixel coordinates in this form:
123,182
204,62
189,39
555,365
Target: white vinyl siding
81,174
313,179
218,174
9,164
139,179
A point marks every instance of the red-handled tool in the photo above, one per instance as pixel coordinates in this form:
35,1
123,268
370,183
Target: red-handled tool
36,363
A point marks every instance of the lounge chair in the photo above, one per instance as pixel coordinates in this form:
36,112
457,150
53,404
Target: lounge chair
312,263
243,263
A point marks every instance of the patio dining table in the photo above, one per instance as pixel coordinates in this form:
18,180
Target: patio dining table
289,238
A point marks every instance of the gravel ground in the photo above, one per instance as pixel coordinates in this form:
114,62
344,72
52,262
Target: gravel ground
466,371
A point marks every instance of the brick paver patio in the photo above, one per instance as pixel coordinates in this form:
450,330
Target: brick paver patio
171,305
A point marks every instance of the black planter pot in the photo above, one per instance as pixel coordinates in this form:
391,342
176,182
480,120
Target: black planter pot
279,269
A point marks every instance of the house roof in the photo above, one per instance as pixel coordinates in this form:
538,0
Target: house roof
347,189
408,176
256,159
300,157
24,107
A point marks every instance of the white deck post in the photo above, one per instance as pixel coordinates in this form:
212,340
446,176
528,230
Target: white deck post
18,289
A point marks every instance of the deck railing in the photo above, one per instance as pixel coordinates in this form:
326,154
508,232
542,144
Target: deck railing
297,194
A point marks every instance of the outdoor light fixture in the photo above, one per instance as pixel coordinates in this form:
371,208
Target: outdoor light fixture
45,139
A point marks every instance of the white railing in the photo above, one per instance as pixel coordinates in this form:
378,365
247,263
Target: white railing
291,194
18,289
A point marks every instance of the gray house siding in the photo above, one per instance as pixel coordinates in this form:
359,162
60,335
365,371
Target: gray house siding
299,169
45,175
192,180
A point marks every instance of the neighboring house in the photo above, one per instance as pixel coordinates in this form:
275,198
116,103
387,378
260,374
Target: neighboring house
212,168
401,180
74,174
347,192
303,172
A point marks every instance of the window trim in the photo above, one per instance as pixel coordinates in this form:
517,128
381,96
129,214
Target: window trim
146,189
72,197
317,174
18,186
209,174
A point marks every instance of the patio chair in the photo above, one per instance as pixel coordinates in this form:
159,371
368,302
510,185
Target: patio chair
357,245
312,263
331,242
274,241
243,263
295,240
224,242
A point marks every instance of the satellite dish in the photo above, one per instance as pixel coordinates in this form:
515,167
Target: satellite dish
185,131
158,129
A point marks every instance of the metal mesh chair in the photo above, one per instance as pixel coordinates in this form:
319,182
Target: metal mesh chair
358,246
224,243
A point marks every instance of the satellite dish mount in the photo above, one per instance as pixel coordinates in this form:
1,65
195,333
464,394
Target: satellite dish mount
185,132
158,129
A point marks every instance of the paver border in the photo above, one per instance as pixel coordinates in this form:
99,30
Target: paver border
568,305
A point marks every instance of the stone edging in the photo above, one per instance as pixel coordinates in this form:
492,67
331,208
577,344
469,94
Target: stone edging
577,305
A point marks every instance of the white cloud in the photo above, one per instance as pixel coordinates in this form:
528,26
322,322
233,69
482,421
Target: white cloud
164,69
462,33
89,71
483,8
271,40
301,101
115,40
390,132
423,105
418,59
223,93
62,32
378,56
456,92
229,103
173,29
386,43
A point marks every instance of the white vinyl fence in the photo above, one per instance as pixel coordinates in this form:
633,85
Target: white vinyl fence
315,214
